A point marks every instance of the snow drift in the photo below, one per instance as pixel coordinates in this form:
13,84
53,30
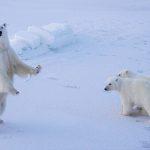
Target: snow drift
36,41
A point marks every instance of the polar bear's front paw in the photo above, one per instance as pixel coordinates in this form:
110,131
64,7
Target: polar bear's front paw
17,92
14,92
37,69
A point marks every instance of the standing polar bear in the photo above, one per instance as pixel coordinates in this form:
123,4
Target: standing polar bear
135,91
10,65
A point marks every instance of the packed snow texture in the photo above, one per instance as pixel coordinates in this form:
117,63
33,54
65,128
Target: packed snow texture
65,107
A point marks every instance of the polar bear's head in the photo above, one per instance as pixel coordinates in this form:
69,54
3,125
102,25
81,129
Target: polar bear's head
113,84
126,74
3,30
3,36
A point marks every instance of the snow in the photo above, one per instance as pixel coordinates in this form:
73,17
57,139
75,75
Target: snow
36,41
79,45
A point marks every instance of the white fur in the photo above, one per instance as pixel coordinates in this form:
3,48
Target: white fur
10,65
130,74
133,91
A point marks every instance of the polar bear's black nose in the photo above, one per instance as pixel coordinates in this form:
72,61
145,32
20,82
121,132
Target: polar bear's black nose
105,89
0,33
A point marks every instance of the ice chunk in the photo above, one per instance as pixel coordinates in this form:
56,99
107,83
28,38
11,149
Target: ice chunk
19,44
62,33
43,34
36,41
33,40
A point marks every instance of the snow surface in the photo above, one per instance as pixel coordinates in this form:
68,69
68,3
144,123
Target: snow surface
79,44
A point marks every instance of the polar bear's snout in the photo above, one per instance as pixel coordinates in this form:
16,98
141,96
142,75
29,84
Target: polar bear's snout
108,87
112,84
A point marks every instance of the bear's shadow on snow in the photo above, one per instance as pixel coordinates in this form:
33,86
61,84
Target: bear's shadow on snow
145,120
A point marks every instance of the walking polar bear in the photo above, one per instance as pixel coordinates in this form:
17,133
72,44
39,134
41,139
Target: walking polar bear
133,91
130,74
10,65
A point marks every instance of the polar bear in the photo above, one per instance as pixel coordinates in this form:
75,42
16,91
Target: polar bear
130,74
126,74
133,91
10,65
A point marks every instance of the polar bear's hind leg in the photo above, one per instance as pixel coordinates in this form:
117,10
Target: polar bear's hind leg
3,97
2,102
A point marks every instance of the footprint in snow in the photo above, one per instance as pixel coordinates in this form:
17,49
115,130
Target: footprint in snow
140,71
53,78
64,85
71,86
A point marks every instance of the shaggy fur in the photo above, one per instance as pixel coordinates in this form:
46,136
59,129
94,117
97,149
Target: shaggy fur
10,65
133,91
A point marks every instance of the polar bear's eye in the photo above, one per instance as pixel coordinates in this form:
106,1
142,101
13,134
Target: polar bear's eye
109,84
119,74
1,27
